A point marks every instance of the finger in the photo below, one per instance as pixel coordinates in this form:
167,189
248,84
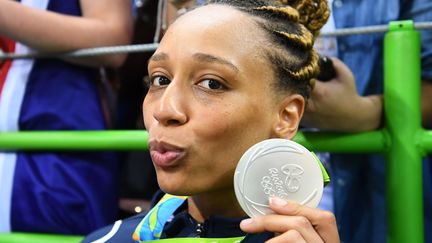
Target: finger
289,236
322,90
318,90
281,224
343,72
323,221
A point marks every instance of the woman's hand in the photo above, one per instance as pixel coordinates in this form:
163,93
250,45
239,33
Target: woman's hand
294,223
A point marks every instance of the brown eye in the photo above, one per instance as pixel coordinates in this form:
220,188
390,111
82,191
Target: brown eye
159,81
211,84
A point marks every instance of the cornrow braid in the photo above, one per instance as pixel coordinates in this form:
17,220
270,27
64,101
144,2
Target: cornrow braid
308,70
291,27
303,39
283,11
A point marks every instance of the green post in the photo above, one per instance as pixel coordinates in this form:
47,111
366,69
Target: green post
402,109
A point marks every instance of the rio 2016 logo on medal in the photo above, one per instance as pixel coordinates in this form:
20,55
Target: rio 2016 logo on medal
277,168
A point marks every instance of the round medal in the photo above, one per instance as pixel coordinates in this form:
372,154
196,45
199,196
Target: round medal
277,168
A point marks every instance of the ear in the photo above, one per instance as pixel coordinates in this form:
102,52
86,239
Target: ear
290,112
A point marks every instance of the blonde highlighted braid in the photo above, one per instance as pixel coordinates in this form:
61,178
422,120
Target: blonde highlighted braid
292,27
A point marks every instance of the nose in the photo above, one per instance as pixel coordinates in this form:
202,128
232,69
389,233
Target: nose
170,110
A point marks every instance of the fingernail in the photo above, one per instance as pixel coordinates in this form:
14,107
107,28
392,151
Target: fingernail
278,202
246,222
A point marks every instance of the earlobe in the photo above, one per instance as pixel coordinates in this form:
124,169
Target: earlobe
290,113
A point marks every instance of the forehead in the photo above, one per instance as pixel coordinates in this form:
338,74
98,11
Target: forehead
213,14
215,27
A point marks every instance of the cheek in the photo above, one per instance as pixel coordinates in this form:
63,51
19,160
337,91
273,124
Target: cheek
216,123
234,127
147,113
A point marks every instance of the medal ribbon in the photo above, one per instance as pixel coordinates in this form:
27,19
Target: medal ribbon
151,227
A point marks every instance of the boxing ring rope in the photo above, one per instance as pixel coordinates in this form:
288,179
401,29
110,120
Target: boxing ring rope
402,140
151,47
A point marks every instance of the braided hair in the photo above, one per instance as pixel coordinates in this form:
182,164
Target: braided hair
291,27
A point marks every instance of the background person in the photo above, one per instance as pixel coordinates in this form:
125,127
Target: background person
68,193
352,102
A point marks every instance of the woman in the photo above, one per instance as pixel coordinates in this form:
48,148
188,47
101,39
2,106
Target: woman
226,76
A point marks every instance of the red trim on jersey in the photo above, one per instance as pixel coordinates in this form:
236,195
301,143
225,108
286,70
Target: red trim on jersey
6,45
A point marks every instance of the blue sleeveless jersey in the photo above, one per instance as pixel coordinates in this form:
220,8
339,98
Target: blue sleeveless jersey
69,193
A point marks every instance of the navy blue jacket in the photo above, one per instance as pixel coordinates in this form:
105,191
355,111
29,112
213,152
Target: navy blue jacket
181,226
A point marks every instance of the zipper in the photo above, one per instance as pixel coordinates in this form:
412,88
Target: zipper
200,230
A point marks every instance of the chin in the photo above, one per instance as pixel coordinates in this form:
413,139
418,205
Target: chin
176,182
173,187
179,189
176,191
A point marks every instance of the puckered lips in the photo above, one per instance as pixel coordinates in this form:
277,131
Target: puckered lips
165,155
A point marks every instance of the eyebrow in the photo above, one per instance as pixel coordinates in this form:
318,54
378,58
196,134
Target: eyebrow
202,57
162,56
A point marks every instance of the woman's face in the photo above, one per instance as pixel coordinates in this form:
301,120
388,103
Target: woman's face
211,98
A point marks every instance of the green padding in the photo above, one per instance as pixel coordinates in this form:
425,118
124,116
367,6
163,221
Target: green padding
326,177
38,238
74,140
199,240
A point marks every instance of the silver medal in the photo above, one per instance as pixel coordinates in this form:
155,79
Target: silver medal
277,168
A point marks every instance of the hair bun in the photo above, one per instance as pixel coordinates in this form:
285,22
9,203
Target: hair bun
313,13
